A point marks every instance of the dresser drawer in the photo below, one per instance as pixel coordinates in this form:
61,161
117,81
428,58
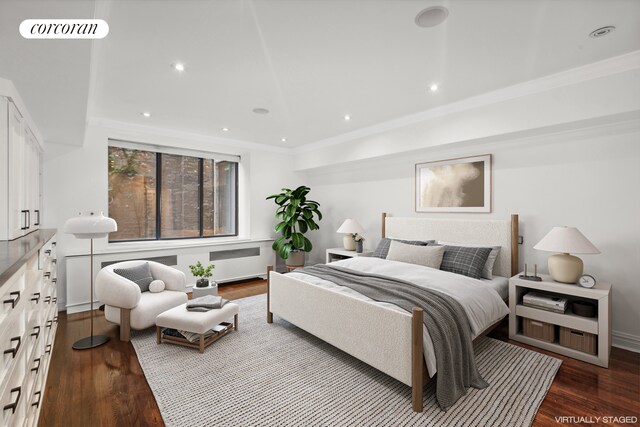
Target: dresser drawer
13,397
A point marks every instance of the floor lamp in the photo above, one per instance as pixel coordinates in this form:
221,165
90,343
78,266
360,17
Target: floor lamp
90,225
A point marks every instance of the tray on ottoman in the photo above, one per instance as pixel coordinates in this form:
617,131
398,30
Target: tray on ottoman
198,323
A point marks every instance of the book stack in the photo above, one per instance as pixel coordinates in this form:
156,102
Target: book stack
545,302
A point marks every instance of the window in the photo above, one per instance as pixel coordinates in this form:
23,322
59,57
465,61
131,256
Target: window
157,195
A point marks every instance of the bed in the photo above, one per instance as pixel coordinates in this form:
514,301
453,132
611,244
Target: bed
390,339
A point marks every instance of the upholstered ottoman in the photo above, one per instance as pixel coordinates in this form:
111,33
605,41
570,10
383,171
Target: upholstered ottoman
199,323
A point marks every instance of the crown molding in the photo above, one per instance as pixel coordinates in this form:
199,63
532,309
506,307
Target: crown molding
610,66
143,131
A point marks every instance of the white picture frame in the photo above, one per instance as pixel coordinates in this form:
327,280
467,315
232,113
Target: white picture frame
454,185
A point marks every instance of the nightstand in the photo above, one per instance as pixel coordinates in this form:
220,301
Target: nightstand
577,330
336,254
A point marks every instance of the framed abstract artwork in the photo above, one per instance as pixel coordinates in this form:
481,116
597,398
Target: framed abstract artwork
454,185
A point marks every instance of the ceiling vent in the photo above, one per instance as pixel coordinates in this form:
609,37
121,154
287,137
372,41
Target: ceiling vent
432,16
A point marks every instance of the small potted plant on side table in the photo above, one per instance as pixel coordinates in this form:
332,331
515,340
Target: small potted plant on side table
203,273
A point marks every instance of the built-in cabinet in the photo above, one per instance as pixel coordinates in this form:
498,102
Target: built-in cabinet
28,322
21,186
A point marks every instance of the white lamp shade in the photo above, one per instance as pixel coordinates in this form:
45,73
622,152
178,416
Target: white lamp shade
567,240
350,226
90,225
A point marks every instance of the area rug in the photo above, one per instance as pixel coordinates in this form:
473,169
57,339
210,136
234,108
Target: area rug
278,375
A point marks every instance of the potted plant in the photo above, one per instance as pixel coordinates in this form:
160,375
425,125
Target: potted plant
296,216
203,273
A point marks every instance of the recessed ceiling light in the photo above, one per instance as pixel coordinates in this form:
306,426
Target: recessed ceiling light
602,31
261,111
225,129
178,66
347,117
431,16
433,87
284,140
146,114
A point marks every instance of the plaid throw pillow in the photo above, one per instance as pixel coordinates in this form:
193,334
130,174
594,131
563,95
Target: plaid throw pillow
140,275
383,247
463,260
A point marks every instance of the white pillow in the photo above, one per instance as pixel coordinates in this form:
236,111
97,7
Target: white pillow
156,286
487,271
429,256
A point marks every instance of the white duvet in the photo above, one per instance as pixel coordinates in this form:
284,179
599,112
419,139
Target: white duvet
482,304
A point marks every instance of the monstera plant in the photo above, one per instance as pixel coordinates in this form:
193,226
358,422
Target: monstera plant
295,215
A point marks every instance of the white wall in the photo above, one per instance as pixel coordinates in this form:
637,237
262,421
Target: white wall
589,179
75,179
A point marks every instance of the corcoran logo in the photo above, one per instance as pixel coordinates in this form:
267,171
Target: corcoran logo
64,29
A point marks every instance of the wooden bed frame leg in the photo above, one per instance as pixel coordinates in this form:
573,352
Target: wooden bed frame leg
417,359
235,322
159,334
269,314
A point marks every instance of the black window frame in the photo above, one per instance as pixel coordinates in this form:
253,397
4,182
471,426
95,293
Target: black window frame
158,228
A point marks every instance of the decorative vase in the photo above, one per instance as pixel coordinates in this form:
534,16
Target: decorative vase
202,283
359,246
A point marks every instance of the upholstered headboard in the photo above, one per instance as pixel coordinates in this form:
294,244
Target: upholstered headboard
473,232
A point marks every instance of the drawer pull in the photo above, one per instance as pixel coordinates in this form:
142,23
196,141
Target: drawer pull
47,274
37,404
47,299
53,243
27,219
54,300
36,369
13,350
36,332
14,405
47,349
48,252
54,261
14,300
55,319
580,334
49,323
36,297
54,280
37,212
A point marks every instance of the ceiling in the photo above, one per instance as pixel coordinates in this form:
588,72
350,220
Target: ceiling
310,62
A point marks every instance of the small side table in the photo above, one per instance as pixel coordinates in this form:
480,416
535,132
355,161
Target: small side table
336,254
212,289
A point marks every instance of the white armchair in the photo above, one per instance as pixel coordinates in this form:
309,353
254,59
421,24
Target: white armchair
127,306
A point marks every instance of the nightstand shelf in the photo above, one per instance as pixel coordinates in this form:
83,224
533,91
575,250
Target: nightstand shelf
600,325
336,254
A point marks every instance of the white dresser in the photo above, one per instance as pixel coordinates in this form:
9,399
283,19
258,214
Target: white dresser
28,321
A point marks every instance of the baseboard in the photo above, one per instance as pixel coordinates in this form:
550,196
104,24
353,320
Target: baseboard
626,341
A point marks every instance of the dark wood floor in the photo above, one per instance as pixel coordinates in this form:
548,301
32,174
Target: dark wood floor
105,386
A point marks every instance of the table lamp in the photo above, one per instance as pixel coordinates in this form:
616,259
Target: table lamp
90,225
350,227
564,267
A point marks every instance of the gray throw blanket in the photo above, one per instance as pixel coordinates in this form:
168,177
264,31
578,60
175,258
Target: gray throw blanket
444,317
206,303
